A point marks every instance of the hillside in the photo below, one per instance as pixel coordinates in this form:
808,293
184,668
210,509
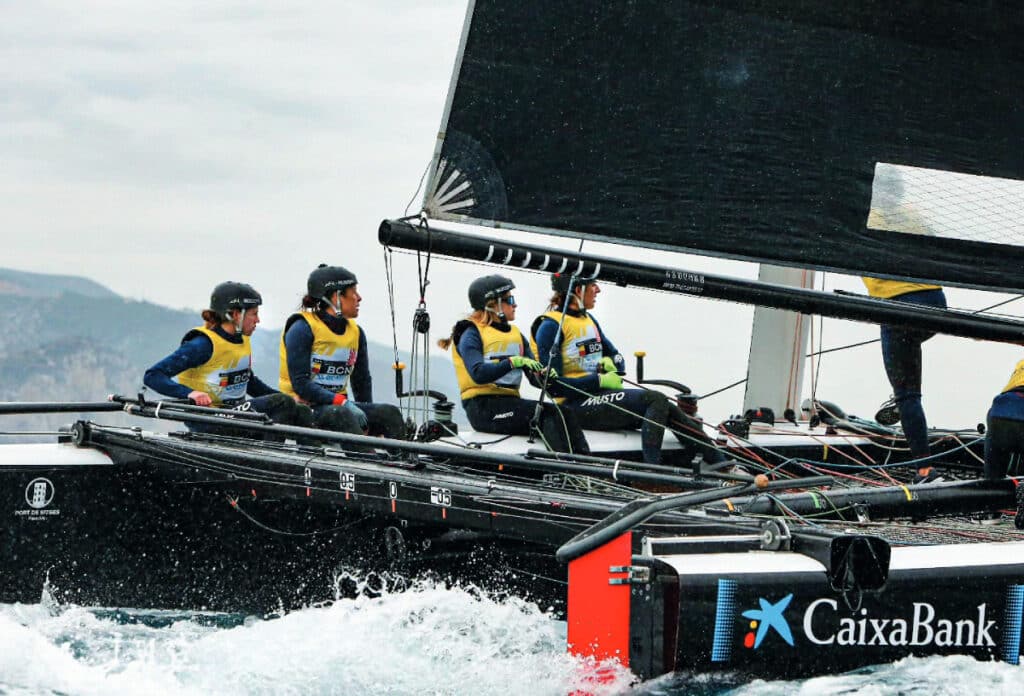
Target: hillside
69,338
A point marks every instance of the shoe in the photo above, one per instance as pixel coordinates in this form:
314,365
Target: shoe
888,413
988,518
927,475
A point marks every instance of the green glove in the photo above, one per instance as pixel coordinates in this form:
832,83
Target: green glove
610,380
608,365
552,372
521,362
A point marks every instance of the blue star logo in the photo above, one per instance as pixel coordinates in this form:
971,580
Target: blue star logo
770,616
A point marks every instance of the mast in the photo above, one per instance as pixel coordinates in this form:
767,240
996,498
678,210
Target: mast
437,240
778,344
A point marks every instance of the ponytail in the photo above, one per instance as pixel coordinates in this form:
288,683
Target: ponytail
480,316
212,319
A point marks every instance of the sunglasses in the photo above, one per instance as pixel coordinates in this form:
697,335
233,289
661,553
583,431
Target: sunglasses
510,300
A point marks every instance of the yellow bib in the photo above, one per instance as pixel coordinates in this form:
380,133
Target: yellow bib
225,376
888,289
1016,379
907,221
332,357
581,347
497,345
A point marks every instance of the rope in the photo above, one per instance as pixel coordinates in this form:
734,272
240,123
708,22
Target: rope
389,275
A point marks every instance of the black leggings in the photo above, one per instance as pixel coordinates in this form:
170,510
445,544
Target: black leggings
381,419
281,408
622,410
510,415
1004,443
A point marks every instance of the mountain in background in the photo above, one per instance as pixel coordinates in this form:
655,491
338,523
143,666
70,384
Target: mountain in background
67,338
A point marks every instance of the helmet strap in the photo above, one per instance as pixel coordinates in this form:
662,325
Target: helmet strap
335,307
496,312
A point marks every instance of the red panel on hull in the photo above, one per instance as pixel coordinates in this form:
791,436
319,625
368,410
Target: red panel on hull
598,611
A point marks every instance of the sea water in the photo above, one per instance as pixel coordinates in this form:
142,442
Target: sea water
425,639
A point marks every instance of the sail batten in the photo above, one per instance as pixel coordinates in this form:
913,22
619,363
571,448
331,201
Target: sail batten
749,130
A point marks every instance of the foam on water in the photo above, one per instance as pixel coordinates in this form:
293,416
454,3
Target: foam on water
425,640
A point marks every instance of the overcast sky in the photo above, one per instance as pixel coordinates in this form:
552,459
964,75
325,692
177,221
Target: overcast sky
161,147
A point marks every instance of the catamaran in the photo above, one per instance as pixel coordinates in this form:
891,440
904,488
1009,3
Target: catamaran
727,128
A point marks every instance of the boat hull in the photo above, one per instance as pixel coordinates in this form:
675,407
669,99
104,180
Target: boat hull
777,614
124,530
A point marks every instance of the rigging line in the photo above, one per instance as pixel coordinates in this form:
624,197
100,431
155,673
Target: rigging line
555,345
418,187
424,280
816,368
876,340
389,271
719,391
233,501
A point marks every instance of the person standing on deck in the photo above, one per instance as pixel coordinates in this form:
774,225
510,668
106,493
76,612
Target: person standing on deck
901,347
213,364
323,353
491,356
592,369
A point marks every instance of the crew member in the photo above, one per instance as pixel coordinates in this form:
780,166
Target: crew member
491,356
901,347
591,370
213,364
1004,436
323,353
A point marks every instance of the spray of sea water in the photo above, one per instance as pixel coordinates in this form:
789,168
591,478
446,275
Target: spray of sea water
425,639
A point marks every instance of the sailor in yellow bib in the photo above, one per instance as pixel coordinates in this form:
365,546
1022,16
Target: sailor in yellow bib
332,356
491,357
324,362
1004,436
569,339
901,347
225,374
213,364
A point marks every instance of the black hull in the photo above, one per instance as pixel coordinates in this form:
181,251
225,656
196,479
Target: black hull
141,532
128,519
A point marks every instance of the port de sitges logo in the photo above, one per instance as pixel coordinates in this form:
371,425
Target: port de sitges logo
822,626
39,493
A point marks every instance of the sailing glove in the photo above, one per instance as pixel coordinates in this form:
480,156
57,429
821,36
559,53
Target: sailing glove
520,362
609,365
610,380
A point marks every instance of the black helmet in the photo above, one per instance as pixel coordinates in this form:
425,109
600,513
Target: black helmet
231,295
488,288
560,282
326,280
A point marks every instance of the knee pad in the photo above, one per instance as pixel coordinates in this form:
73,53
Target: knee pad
652,397
303,416
390,421
282,408
339,419
657,405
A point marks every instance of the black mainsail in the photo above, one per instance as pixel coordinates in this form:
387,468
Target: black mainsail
766,131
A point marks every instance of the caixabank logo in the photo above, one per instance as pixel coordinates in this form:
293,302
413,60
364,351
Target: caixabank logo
769,617
991,627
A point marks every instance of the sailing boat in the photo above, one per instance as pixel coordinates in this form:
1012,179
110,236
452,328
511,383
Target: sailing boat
775,575
741,131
